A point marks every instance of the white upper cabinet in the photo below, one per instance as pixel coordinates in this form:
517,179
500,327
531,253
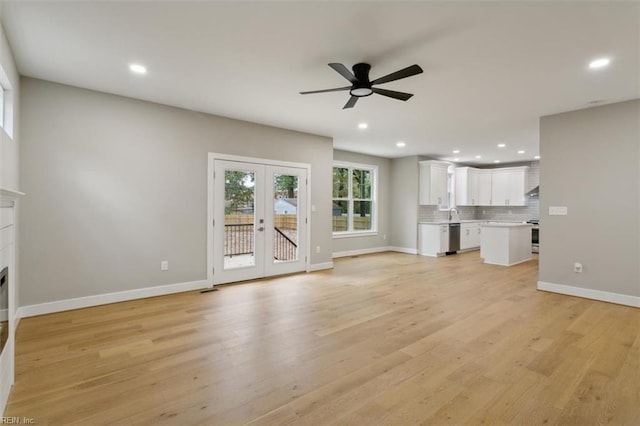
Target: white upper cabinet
484,187
467,186
518,181
491,187
508,186
499,187
433,183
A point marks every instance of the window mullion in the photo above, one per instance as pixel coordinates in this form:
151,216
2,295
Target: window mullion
350,186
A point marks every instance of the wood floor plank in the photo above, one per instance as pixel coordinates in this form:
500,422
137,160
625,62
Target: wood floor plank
388,339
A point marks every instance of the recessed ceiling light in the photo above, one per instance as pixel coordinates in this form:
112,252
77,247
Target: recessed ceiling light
537,157
599,63
496,161
478,156
502,145
400,144
363,126
456,151
138,69
456,159
521,152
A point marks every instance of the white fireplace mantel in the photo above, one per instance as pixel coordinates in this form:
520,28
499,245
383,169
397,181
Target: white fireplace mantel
10,194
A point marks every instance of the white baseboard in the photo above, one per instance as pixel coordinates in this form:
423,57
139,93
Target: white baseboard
587,293
404,250
320,266
507,264
361,251
103,299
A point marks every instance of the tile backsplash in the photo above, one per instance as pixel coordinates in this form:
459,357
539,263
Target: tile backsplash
432,214
517,214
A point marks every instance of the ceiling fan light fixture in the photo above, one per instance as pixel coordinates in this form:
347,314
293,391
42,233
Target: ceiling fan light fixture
361,92
361,86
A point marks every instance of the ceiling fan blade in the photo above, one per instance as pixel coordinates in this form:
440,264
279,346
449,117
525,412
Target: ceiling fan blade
392,94
343,71
403,73
351,102
339,89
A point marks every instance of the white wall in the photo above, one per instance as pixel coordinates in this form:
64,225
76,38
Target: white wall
591,164
373,242
115,185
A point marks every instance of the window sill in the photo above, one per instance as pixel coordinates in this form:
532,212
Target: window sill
354,234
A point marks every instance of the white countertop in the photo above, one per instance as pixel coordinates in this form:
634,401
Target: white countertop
482,222
505,225
446,222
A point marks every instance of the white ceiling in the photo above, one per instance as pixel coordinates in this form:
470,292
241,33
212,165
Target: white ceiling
490,69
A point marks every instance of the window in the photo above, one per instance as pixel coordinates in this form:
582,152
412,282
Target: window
1,106
6,104
354,199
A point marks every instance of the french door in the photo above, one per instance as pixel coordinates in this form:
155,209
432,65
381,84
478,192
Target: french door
259,220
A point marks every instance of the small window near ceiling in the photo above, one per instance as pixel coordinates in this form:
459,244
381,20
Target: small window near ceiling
6,103
2,106
354,199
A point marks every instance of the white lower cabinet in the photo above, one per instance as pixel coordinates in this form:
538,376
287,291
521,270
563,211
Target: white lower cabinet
433,239
469,236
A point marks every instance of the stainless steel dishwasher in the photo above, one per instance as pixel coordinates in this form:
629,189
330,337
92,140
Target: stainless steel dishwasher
454,237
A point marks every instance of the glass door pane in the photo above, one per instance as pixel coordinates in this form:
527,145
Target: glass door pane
239,219
259,221
285,217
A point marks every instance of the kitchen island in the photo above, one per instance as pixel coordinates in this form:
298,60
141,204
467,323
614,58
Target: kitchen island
505,244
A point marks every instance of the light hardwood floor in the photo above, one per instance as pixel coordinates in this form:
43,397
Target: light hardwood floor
388,339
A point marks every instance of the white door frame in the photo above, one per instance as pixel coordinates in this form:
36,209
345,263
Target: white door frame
304,251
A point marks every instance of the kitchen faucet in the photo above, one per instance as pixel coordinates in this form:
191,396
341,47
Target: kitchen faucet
451,210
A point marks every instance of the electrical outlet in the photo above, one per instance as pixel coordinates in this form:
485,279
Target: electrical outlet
384,237
317,249
164,265
557,210
577,267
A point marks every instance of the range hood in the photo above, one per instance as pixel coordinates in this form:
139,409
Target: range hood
534,192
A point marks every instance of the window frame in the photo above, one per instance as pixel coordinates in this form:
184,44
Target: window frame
7,99
350,232
3,96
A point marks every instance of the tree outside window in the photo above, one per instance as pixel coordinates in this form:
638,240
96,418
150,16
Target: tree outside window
353,198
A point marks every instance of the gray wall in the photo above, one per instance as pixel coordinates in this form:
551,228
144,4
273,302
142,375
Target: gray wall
116,185
591,164
384,206
404,201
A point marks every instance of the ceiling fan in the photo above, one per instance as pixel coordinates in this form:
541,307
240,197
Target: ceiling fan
361,86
